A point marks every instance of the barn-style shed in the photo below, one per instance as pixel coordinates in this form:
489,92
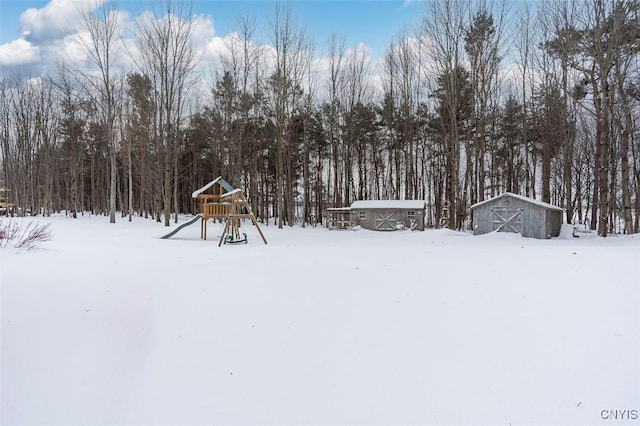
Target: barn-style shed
389,215
515,213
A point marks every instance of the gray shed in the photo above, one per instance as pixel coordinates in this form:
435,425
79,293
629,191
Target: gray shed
515,213
389,215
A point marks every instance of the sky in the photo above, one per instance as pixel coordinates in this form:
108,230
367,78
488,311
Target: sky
33,33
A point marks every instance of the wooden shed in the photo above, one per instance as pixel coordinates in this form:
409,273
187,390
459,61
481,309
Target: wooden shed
389,215
515,213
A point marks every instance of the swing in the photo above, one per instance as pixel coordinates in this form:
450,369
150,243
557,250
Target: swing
231,239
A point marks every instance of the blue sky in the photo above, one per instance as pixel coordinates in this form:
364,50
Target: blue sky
10,11
375,23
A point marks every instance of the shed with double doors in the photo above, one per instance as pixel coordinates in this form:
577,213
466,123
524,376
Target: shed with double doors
519,214
389,215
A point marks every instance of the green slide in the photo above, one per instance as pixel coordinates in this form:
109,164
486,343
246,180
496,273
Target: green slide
184,225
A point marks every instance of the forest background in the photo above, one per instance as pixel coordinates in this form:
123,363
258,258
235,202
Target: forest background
480,98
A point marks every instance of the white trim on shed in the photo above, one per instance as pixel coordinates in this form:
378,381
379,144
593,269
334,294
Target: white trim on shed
520,197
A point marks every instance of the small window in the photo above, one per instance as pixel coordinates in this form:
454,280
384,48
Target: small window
411,215
362,215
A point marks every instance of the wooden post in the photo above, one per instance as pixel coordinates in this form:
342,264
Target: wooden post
224,232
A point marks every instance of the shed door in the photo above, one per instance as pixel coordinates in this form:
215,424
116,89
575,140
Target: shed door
386,221
507,219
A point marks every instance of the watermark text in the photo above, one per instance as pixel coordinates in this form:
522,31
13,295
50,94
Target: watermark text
619,414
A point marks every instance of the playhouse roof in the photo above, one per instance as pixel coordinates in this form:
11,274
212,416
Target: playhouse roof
389,204
225,185
230,193
520,197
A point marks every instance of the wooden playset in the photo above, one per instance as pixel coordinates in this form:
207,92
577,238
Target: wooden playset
225,204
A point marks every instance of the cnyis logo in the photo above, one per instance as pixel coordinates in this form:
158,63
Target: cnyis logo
619,414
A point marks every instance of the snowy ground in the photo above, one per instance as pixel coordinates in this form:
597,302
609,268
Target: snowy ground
110,325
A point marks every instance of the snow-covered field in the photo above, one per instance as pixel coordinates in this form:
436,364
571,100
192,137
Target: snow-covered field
110,325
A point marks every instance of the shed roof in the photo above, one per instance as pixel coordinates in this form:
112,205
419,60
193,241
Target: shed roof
520,197
389,204
226,185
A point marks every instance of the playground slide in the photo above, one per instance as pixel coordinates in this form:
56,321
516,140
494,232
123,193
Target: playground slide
179,228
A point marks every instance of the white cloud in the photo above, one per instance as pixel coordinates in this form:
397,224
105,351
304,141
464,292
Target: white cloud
18,52
57,19
70,47
203,28
216,47
55,32
209,48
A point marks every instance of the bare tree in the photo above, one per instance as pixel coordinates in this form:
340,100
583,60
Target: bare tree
6,142
72,128
291,54
603,38
168,59
524,42
101,86
240,67
445,27
626,19
336,58
28,143
558,19
355,94
399,104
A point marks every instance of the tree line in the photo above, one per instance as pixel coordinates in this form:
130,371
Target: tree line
477,101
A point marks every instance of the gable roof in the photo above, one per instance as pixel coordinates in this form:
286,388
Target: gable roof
225,185
389,204
520,197
230,193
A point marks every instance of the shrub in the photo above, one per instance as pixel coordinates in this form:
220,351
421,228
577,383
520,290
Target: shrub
27,235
